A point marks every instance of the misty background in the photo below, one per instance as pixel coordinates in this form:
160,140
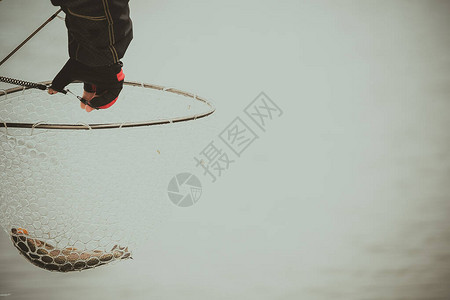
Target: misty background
345,196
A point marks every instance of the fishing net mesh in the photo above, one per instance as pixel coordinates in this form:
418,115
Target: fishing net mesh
91,189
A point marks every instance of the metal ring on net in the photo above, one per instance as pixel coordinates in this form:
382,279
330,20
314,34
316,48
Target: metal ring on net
73,201
172,90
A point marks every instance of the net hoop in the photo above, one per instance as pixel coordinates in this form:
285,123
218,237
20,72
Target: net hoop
43,125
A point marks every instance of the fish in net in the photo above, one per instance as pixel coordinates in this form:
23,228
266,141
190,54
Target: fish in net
47,256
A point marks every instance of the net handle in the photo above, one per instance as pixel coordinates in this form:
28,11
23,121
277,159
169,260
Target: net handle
28,84
30,36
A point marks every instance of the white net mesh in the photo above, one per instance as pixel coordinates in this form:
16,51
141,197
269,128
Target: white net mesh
95,189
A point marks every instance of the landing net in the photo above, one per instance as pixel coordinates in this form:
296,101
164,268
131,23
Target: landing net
72,186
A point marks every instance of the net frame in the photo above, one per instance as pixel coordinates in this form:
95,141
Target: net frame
42,125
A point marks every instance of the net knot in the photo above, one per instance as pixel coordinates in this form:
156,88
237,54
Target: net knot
87,126
36,125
